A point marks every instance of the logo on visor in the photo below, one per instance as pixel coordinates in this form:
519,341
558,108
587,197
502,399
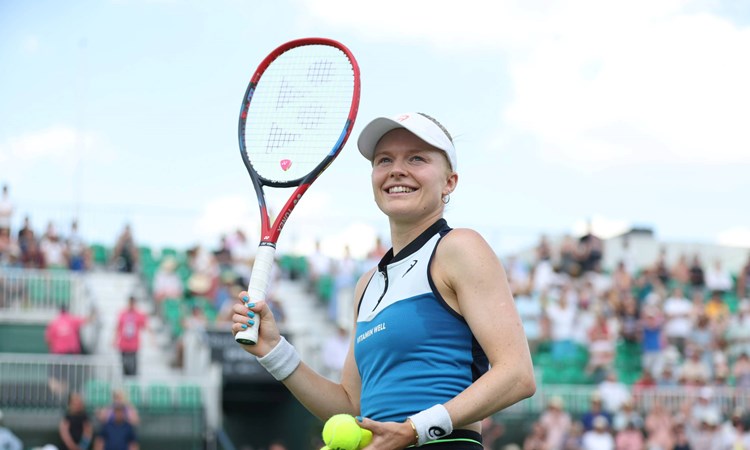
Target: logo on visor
402,118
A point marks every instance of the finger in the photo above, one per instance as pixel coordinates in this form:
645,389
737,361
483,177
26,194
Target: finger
364,422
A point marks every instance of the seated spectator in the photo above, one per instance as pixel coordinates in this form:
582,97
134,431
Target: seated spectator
697,275
677,310
628,316
335,349
590,251
667,376
556,422
741,371
613,392
601,347
645,383
622,280
119,400
76,429
595,410
241,254
658,425
680,272
694,371
536,439
530,310
705,407
77,252
718,278
117,433
8,249
574,439
707,436
630,438
737,334
53,249
568,257
562,316
660,267
626,415
319,266
600,438
651,337
734,433
543,276
28,246
167,282
492,431
701,339
717,311
681,441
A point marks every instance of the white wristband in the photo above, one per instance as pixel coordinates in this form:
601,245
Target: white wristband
281,361
432,423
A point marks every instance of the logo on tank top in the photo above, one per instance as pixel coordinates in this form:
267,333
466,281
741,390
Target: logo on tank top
413,263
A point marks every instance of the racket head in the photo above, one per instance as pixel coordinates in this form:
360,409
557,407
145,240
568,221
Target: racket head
298,111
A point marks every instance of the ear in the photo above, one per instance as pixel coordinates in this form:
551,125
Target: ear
450,184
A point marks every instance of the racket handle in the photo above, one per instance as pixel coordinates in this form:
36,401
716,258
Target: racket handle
259,279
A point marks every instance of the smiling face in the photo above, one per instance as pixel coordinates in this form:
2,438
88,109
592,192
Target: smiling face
410,178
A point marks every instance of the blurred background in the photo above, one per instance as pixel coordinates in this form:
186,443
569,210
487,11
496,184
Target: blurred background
602,152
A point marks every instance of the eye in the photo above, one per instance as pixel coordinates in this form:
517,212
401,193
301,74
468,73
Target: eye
382,160
417,158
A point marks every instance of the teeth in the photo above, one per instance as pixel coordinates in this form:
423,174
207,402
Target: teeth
399,189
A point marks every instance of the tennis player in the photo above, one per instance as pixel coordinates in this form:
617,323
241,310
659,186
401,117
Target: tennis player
437,344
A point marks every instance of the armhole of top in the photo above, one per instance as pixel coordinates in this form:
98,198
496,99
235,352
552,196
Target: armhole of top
434,289
362,296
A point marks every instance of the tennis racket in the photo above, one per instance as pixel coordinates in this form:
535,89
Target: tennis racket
296,116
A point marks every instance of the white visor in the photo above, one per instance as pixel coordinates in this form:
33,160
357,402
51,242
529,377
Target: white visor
417,123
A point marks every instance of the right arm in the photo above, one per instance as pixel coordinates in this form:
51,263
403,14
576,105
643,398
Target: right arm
321,396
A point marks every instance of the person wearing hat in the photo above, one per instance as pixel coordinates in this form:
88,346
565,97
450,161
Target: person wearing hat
596,409
437,343
557,422
599,438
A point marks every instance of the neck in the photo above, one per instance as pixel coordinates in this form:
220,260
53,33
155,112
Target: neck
402,233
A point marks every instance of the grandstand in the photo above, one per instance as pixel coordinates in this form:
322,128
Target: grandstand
180,407
217,395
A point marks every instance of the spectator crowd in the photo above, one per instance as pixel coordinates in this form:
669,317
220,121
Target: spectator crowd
688,322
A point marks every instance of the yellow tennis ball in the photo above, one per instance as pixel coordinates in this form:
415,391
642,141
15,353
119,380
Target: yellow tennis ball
366,438
341,432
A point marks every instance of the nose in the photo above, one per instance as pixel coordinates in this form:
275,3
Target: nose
397,169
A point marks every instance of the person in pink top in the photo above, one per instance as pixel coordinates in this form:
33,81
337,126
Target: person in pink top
128,336
63,337
63,333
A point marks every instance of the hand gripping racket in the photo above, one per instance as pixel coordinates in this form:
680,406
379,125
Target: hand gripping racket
296,116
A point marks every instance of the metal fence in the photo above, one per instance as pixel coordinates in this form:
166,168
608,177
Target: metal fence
44,381
40,293
577,398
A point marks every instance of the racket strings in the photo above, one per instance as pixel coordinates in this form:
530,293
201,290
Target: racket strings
298,111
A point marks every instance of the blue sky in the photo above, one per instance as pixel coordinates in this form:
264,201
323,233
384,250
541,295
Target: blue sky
630,113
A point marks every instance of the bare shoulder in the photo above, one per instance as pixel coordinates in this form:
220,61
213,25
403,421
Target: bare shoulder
464,245
359,289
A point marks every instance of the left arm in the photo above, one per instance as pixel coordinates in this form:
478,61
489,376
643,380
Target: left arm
472,280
